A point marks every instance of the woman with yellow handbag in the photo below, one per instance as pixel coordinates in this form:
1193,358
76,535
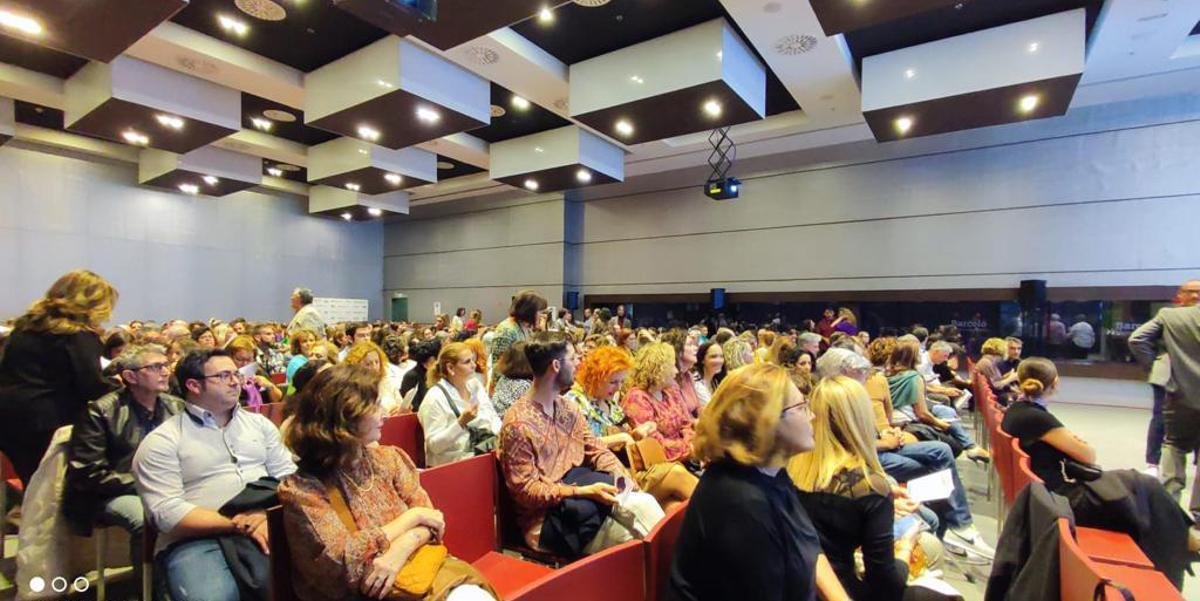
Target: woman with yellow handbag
357,520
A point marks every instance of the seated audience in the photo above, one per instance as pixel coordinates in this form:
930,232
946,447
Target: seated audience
355,332
1121,500
514,380
766,338
1003,383
811,342
564,481
687,347
369,355
907,389
413,387
737,354
456,414
746,534
204,476
354,511
799,363
204,337
654,397
710,370
1012,354
848,496
99,488
256,388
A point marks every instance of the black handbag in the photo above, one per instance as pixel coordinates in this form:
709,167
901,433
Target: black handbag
1077,471
482,441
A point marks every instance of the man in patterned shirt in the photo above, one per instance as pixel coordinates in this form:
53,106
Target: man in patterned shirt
573,496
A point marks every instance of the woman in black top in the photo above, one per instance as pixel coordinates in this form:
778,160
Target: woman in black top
746,535
1122,500
848,496
51,366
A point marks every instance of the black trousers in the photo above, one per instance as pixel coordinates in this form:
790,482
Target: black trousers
24,448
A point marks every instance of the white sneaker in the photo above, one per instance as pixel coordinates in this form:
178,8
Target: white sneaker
1151,470
968,539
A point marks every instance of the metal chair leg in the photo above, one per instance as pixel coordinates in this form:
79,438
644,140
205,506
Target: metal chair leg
101,536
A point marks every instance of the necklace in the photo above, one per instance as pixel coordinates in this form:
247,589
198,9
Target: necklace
370,479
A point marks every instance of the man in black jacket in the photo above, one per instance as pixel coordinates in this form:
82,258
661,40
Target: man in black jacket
99,483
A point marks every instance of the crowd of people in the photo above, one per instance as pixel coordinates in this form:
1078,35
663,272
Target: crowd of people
790,446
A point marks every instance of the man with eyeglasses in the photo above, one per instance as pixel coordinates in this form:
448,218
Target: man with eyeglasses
192,466
99,487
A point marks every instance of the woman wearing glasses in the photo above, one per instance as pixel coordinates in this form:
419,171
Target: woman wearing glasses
51,366
746,535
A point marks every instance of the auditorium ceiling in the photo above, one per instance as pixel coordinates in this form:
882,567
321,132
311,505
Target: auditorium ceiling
368,107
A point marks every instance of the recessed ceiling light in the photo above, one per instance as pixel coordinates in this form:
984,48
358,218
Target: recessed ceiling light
1033,47
260,123
353,187
274,172
538,149
903,124
368,133
189,188
20,23
211,180
713,108
287,167
720,54
583,175
624,128
384,84
909,73
428,115
170,121
375,211
519,103
394,179
636,79
347,216
444,165
135,137
232,25
531,184
546,15
278,115
1029,102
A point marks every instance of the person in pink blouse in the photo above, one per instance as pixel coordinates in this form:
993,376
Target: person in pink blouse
573,497
654,396
355,512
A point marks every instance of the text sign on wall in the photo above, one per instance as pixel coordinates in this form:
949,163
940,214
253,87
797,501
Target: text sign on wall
337,310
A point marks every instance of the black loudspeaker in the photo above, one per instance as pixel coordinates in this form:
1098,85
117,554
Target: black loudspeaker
1032,293
571,300
717,296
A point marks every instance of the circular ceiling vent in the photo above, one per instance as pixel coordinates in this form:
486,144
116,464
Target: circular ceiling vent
498,111
592,3
482,55
561,104
202,67
445,165
287,167
791,45
278,115
266,10
772,7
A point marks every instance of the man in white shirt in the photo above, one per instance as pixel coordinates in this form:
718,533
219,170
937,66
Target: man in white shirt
1082,336
357,332
196,462
307,317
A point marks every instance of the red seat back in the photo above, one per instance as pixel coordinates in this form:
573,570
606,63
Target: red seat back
272,411
281,557
1002,458
404,431
1022,468
615,573
1078,575
8,474
660,548
465,493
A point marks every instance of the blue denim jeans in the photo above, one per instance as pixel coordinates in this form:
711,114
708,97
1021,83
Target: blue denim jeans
917,459
956,430
196,571
126,512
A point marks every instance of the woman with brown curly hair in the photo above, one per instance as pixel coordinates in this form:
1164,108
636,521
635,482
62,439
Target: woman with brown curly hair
51,366
653,396
371,356
355,512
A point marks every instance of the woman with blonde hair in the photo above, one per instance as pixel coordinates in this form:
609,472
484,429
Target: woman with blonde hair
456,413
50,368
766,338
737,354
355,513
1121,500
369,355
849,495
1003,385
653,396
597,380
746,534
299,345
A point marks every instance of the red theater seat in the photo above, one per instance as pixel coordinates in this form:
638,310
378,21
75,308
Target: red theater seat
660,547
615,574
1079,576
404,431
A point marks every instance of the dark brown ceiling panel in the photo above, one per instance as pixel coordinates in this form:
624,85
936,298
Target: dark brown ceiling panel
99,30
370,180
113,117
172,180
672,114
397,109
557,179
839,16
977,109
457,21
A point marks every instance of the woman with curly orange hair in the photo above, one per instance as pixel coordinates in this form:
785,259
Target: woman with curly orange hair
371,356
51,366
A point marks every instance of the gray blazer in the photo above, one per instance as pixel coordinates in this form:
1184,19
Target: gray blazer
1179,329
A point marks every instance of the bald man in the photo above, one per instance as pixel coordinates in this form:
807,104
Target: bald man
1179,329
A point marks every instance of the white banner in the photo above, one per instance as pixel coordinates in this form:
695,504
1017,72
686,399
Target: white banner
338,310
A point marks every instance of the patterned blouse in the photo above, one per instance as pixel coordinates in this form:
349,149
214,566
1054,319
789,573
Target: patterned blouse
673,416
330,562
537,450
507,391
506,334
603,417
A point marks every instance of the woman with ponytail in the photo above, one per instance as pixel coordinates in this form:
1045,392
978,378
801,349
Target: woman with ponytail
1121,500
51,366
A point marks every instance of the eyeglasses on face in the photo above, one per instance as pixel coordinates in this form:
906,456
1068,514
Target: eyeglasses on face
161,366
226,377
